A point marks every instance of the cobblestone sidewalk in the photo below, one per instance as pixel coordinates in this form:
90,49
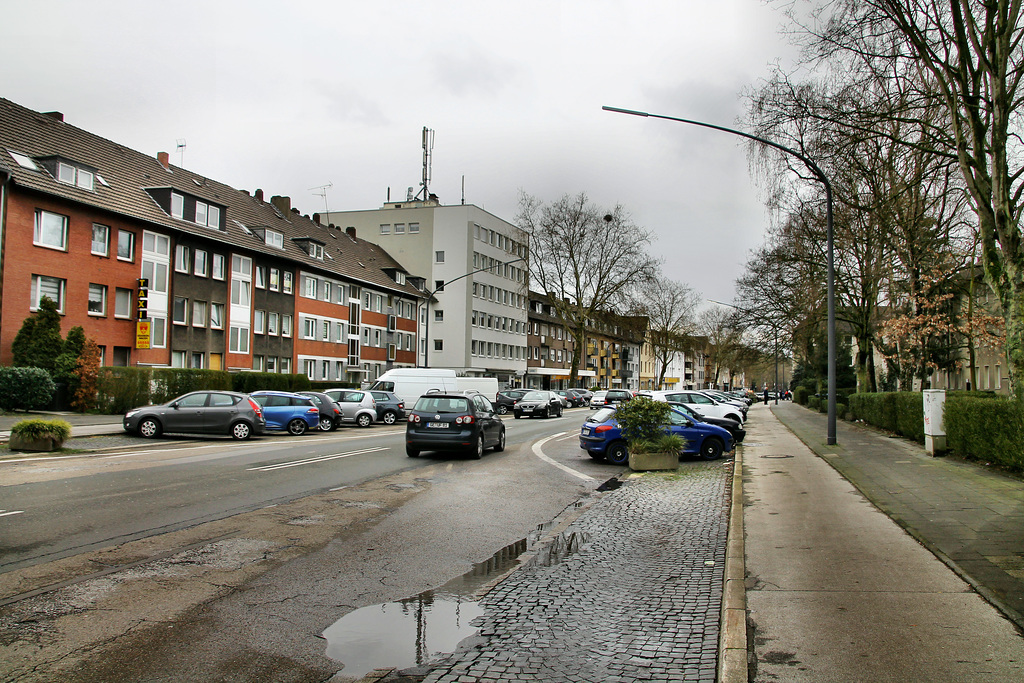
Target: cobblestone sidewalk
641,601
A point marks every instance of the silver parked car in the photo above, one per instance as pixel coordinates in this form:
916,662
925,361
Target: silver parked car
356,405
199,412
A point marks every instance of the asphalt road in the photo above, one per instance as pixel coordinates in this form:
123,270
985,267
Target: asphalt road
78,504
250,596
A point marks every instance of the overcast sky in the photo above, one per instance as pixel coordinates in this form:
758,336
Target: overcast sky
289,96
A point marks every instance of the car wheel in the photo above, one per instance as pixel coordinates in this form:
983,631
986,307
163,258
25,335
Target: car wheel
297,427
733,416
241,431
326,424
412,452
503,410
364,420
479,451
711,449
500,446
617,454
389,417
149,428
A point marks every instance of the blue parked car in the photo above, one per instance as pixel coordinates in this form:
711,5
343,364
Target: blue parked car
601,437
285,411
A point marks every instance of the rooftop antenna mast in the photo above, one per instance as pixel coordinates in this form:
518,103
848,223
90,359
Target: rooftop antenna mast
323,193
428,155
181,152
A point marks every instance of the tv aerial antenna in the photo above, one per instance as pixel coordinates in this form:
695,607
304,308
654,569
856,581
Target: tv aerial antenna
180,149
321,190
428,157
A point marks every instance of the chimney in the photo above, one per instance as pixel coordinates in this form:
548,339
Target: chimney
316,218
283,204
56,115
351,231
259,194
165,159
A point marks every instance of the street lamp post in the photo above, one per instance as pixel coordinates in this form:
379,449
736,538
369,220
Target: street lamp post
430,294
820,175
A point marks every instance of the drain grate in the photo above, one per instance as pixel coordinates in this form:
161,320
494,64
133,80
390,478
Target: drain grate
778,457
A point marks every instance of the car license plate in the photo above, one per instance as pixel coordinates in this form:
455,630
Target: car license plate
586,430
437,425
527,409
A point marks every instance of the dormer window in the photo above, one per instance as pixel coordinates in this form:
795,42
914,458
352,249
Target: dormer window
316,250
274,239
187,207
313,247
72,175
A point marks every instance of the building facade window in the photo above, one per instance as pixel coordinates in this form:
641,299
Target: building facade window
51,287
125,245
238,339
97,299
122,303
51,230
219,263
217,316
198,314
100,239
179,311
182,262
200,263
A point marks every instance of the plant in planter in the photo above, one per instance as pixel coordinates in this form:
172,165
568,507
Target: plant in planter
39,435
651,447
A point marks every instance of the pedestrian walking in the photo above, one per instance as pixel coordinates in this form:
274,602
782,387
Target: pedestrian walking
766,395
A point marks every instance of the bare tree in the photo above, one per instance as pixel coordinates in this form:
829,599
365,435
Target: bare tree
586,259
669,307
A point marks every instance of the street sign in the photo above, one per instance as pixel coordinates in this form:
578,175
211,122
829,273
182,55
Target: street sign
142,308
142,334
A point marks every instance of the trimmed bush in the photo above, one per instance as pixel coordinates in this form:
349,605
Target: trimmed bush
323,386
169,383
38,429
25,388
800,395
119,389
813,402
248,382
986,429
901,412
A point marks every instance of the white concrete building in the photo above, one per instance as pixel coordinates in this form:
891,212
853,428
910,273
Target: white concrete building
475,324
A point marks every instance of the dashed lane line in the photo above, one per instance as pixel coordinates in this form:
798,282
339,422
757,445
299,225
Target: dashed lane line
8,513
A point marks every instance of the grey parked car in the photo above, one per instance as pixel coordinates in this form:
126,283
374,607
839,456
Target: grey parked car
199,412
356,405
330,413
390,408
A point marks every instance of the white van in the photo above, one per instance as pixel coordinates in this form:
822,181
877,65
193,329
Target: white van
411,383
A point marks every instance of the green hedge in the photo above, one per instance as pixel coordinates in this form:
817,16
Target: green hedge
323,386
121,389
901,412
984,429
25,388
812,402
801,394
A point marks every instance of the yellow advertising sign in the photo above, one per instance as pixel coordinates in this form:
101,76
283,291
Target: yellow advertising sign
142,334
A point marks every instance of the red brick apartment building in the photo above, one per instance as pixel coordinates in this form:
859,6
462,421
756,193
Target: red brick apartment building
231,281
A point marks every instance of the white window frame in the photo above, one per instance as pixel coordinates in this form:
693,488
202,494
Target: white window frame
182,259
102,289
201,262
219,267
177,205
131,245
120,294
41,232
105,248
198,314
238,334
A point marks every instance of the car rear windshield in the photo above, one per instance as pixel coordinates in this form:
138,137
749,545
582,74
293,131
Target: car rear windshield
442,404
602,415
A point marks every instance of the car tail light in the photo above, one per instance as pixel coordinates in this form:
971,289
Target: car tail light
602,428
464,420
413,417
313,409
337,410
256,406
401,405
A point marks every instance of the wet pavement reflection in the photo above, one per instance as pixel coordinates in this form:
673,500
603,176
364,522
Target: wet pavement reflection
412,631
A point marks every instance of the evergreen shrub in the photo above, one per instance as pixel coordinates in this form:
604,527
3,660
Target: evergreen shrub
985,429
801,394
25,388
119,389
169,383
38,429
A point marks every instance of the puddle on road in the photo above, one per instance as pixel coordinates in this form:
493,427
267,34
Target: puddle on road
413,631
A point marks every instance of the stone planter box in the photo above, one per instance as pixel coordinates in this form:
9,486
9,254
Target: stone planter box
45,443
642,462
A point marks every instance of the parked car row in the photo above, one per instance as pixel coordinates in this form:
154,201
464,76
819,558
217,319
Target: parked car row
243,415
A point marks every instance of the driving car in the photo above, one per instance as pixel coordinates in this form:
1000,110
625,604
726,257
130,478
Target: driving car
702,403
285,411
330,413
454,421
602,439
538,402
198,412
390,406
504,400
356,405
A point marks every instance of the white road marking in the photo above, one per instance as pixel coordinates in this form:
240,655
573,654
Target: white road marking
537,450
7,513
313,461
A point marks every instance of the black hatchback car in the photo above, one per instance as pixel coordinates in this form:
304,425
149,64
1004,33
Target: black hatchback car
453,421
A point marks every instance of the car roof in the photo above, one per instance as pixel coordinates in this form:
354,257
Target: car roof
275,392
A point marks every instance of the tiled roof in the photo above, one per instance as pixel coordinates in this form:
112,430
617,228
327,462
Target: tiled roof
126,174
